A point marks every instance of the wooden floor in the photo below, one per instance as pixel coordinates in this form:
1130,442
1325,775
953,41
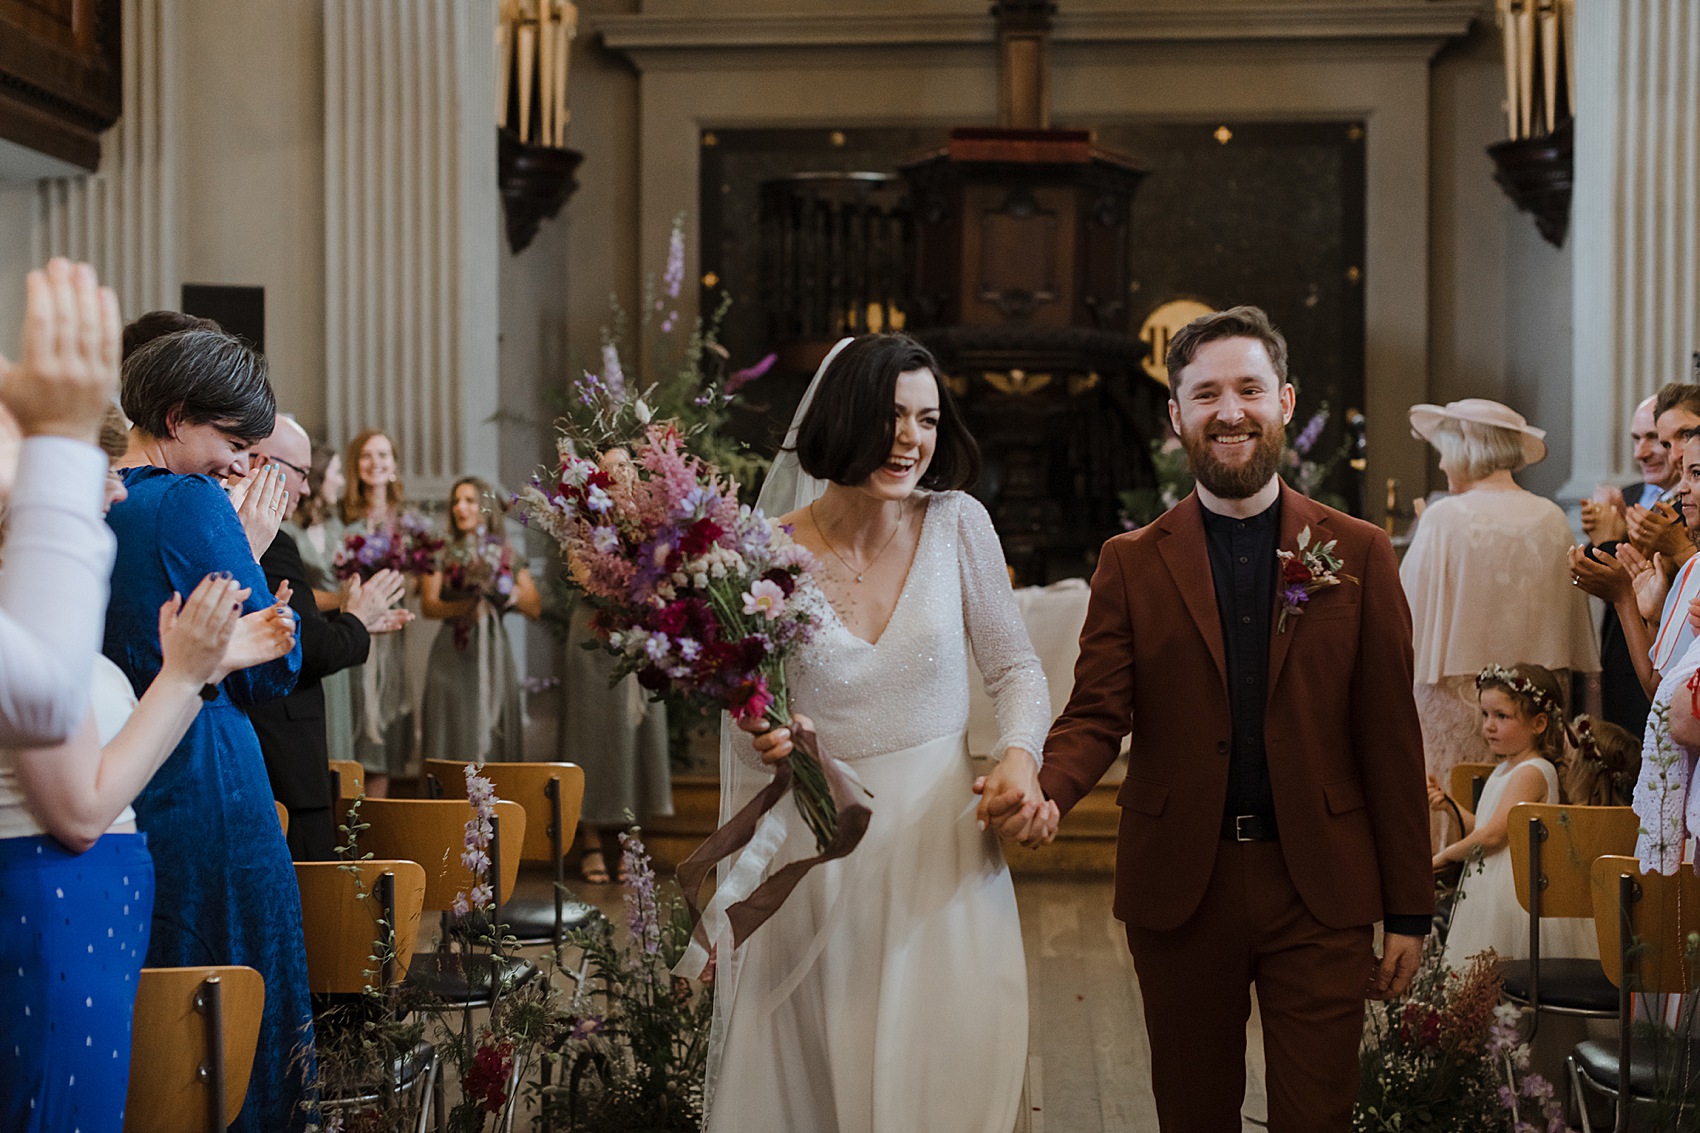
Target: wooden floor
1089,1064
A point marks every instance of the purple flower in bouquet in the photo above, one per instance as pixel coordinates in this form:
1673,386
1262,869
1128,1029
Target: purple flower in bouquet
673,279
613,376
1311,433
738,379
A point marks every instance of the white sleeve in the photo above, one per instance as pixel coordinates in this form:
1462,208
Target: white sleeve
53,590
1014,678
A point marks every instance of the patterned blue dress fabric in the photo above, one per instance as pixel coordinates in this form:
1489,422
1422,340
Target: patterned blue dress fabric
73,934
226,889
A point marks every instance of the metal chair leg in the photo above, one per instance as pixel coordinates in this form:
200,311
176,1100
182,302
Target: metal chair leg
210,1002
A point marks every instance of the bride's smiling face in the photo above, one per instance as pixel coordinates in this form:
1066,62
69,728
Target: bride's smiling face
915,433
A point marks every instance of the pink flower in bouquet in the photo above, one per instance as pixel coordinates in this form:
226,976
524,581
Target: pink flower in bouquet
765,598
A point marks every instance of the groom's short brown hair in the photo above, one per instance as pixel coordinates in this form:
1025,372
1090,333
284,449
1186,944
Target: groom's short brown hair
1235,322
849,429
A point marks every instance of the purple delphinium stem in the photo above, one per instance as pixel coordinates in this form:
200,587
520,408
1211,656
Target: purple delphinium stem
1311,433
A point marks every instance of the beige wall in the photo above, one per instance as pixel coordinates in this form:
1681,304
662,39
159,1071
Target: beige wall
251,184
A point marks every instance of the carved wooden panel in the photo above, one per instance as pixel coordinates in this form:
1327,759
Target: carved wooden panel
60,76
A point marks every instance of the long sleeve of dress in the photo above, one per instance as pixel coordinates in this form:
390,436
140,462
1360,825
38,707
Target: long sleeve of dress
1014,678
52,591
204,536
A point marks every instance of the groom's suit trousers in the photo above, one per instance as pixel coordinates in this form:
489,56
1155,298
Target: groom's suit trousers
1196,984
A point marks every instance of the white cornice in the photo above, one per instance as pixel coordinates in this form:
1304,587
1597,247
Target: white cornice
1339,21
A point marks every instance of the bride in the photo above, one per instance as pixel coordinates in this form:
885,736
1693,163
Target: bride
890,992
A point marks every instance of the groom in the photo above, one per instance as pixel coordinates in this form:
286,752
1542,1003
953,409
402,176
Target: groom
1274,806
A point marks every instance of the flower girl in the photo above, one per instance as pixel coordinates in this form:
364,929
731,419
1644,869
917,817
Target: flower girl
1523,724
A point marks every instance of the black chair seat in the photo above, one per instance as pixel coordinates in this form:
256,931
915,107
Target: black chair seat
462,979
531,920
405,1070
1576,985
1653,1066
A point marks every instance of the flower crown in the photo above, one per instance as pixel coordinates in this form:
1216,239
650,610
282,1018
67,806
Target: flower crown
1521,686
1587,745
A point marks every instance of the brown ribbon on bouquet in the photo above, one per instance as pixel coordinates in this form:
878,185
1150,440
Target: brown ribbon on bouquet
752,912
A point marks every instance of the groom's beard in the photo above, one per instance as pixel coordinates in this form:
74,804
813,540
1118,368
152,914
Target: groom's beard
1235,481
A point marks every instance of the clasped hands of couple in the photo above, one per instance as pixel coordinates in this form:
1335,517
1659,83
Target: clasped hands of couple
1011,802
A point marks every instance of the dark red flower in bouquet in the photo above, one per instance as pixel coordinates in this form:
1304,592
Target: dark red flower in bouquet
751,699
783,579
700,536
1293,570
487,1081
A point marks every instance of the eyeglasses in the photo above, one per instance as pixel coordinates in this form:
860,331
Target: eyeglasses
287,464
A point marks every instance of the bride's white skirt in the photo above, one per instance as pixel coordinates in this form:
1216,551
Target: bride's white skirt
889,994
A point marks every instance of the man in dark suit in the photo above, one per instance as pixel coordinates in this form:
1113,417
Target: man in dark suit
292,728
1274,808
1622,700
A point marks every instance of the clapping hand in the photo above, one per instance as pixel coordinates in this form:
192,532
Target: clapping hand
1659,529
264,635
1603,521
372,601
1600,575
1651,579
260,498
1012,803
68,370
194,634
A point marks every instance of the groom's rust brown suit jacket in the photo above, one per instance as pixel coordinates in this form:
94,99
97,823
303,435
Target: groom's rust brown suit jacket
1344,745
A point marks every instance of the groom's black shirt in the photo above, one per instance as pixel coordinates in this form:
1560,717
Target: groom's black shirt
1242,567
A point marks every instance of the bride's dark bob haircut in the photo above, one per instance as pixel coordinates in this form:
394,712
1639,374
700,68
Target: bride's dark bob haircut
851,426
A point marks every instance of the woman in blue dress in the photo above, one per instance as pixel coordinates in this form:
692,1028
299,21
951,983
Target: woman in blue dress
225,887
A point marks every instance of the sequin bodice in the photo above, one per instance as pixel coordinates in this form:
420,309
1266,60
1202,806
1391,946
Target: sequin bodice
911,685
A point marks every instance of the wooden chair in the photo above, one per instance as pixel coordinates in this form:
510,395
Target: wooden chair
282,817
1553,849
348,779
432,832
1643,921
192,1047
1467,781
343,931
552,795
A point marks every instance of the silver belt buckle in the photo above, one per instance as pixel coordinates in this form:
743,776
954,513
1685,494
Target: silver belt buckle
1239,827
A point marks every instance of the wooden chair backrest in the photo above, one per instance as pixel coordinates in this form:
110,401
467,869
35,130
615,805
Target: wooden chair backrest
1661,920
169,1046
432,832
282,816
526,784
351,777
1465,776
341,927
1576,835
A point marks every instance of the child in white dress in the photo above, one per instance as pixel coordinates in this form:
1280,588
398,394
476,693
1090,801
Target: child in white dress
1523,723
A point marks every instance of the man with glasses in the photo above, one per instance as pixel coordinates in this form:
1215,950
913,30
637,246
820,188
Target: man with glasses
292,728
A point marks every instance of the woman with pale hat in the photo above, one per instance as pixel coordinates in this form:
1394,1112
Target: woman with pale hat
1487,575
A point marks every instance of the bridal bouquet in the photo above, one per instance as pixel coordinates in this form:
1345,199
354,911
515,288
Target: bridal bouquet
406,545
480,567
701,598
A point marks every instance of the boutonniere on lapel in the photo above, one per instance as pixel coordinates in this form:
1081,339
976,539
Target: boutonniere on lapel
1304,572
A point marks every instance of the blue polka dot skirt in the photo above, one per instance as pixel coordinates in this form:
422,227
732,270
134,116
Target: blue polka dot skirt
73,936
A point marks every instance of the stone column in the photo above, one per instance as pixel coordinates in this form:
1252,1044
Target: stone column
1635,220
123,219
411,229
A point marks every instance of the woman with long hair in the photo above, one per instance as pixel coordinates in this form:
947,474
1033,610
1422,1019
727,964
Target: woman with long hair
382,710
471,709
316,526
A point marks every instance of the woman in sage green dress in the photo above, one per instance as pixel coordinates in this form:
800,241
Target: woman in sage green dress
382,709
471,709
317,530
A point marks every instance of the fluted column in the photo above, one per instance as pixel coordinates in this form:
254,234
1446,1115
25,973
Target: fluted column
1635,220
411,229
123,219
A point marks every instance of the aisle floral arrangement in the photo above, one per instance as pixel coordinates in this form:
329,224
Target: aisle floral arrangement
407,545
1448,1057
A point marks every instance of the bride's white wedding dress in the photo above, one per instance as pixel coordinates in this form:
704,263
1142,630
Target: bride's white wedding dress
889,994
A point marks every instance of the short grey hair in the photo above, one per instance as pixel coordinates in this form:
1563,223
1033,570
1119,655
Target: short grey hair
1475,450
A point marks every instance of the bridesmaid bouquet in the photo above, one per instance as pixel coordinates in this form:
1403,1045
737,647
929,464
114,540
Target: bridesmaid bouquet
406,545
482,567
701,598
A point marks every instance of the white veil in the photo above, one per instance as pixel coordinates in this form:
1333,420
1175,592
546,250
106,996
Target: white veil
787,489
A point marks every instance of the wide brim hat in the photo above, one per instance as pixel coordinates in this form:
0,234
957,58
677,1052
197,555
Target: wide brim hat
1481,411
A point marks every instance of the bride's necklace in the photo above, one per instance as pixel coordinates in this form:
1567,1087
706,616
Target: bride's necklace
858,575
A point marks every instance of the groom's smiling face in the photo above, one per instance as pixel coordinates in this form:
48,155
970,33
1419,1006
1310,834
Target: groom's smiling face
1230,410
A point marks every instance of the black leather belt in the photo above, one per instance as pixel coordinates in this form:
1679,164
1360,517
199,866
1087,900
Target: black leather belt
1250,828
